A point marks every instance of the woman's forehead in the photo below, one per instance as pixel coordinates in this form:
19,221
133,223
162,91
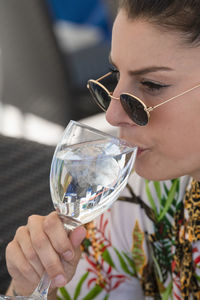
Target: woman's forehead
138,40
141,31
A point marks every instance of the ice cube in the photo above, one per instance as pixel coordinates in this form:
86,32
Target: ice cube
104,172
112,149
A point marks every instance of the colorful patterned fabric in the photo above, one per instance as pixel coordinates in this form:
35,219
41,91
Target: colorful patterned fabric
146,246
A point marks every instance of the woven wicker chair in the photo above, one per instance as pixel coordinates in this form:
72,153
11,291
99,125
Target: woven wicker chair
24,189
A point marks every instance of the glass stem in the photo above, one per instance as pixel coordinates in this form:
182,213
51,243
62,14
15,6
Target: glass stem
42,289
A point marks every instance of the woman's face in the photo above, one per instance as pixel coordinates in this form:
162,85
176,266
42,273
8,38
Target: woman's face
156,65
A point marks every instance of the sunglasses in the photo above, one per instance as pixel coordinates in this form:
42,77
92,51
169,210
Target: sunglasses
135,108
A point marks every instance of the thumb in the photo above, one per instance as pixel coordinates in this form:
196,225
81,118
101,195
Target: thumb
77,236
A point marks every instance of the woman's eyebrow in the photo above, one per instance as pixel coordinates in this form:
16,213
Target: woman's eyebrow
150,69
143,71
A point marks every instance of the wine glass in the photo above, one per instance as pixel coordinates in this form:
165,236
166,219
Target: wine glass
88,171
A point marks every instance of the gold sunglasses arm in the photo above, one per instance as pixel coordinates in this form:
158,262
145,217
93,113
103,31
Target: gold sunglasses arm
104,76
148,109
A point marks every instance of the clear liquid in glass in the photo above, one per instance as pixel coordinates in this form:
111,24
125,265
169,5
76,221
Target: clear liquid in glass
86,178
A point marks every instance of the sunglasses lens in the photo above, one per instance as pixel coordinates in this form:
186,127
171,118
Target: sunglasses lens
99,94
134,109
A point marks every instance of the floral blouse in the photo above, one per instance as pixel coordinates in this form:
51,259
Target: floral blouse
144,247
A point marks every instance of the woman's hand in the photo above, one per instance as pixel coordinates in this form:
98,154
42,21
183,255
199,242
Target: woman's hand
43,245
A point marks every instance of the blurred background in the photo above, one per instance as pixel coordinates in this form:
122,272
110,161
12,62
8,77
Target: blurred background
49,49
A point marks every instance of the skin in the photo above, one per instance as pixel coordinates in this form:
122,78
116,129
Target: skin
169,145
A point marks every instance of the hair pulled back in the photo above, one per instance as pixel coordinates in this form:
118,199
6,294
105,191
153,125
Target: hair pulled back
182,16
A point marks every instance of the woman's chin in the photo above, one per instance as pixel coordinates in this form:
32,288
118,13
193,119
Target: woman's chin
146,175
149,171
152,174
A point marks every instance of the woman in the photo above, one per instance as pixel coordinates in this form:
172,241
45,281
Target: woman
149,242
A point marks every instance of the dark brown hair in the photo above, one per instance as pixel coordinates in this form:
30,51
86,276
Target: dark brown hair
182,16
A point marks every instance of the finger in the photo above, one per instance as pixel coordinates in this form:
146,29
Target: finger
24,240
23,286
77,236
20,269
70,266
58,236
47,254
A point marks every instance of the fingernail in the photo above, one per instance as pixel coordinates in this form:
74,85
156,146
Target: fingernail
82,232
59,281
79,236
68,255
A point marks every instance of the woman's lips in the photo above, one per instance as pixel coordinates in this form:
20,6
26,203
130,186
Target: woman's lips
141,150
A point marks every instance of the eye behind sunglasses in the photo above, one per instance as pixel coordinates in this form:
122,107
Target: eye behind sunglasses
135,109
